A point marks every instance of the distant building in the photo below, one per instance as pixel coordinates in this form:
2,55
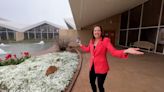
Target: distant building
16,32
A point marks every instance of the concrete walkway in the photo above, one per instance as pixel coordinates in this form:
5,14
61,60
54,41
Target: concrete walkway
135,74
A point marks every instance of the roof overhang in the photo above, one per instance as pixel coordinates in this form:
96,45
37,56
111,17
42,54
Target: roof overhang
70,22
87,12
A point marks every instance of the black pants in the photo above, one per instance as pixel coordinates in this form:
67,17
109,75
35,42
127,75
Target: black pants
100,80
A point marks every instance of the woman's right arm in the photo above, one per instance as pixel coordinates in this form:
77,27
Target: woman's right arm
85,48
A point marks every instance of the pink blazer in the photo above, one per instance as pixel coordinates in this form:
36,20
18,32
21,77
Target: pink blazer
98,55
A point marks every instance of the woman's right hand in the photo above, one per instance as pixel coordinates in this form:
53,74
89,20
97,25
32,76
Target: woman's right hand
78,41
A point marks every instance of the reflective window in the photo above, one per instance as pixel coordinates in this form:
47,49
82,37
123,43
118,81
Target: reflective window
135,15
132,36
124,20
151,13
122,40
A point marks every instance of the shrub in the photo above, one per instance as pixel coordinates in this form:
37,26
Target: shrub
63,44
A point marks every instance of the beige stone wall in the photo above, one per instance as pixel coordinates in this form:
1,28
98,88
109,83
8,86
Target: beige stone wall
19,36
68,35
85,36
71,35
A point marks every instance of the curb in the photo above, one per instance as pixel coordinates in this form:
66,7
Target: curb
75,76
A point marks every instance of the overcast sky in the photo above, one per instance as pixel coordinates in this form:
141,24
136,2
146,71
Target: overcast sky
32,11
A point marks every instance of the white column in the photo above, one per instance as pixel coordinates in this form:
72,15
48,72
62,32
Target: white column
0,36
57,32
34,33
15,35
7,35
159,23
28,35
47,31
53,34
40,33
139,34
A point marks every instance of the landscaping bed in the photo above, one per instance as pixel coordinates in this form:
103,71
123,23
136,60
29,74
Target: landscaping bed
30,75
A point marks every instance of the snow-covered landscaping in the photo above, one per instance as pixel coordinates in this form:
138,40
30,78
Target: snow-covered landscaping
30,76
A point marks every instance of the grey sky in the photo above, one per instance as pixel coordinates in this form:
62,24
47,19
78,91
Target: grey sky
32,11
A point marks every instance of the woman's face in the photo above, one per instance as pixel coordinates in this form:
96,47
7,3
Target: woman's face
97,32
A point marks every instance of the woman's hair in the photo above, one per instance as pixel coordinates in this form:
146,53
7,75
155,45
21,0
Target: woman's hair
100,30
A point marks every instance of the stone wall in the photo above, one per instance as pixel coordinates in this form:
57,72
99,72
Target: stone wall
19,36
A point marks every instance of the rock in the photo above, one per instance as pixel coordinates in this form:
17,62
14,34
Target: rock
51,70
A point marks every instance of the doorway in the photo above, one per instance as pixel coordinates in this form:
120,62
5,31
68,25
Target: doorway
111,35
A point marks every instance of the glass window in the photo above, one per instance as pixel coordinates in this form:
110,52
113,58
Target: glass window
2,29
11,35
50,35
160,44
25,35
38,35
132,36
162,21
122,39
56,35
3,35
31,35
149,35
124,20
44,35
41,31
135,14
151,13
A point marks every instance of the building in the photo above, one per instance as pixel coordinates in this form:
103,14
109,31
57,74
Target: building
10,31
125,22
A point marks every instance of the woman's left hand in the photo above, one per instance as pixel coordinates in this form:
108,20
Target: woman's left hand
134,51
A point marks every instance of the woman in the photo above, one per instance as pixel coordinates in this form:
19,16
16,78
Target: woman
98,47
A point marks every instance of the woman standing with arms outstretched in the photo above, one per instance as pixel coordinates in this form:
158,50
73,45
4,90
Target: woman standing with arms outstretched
98,48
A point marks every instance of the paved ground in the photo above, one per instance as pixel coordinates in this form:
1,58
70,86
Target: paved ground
136,74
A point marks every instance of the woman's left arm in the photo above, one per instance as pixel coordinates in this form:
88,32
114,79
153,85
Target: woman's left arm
120,53
113,50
